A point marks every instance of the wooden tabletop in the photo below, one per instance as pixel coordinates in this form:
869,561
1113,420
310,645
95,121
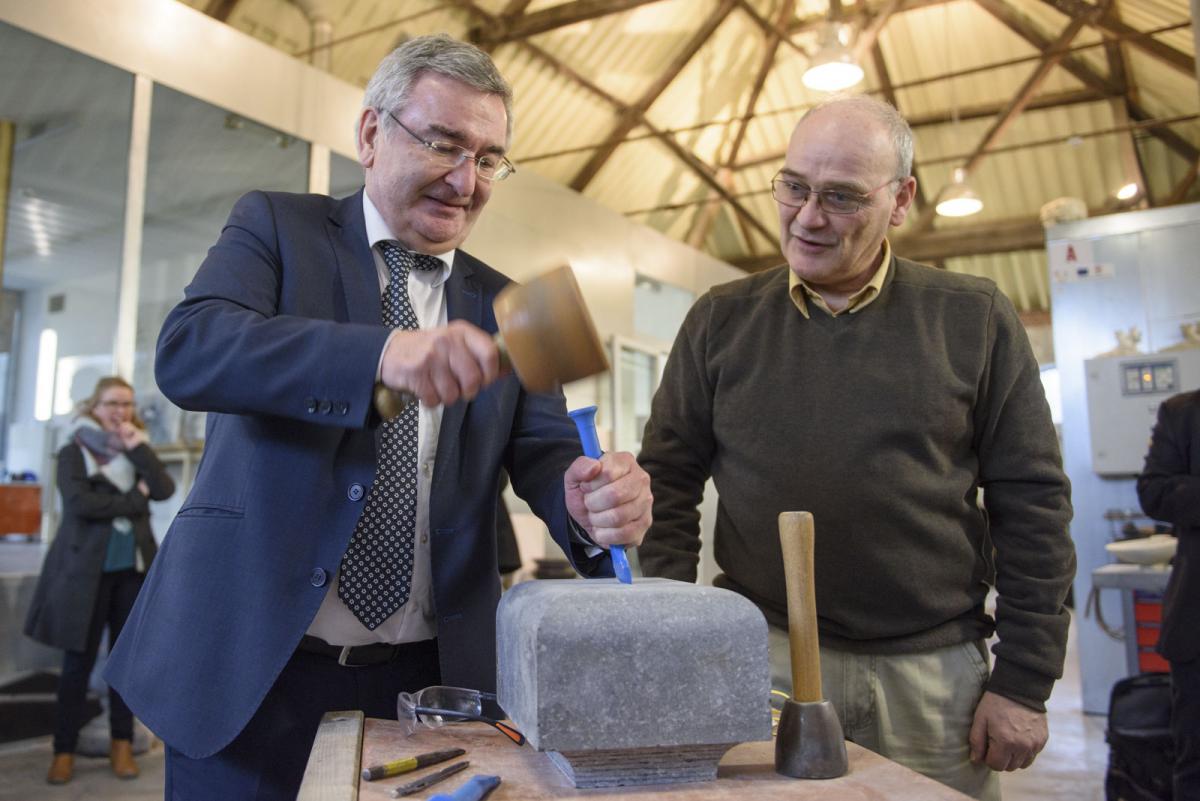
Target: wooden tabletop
746,772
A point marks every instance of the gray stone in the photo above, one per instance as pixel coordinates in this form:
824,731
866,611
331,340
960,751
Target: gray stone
646,683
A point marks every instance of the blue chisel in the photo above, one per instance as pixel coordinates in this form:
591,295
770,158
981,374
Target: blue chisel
585,421
476,788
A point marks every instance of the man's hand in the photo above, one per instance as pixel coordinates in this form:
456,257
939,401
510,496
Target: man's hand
609,497
441,365
1006,735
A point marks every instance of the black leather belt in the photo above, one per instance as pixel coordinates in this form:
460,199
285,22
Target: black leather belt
361,655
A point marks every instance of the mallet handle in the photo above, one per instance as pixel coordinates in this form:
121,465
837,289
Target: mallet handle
796,537
390,402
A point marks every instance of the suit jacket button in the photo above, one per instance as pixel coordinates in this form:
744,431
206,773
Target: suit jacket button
310,405
355,492
325,407
342,408
317,579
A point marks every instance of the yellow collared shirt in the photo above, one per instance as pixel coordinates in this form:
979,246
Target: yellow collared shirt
802,293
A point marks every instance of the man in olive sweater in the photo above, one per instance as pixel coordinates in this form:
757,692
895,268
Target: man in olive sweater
882,396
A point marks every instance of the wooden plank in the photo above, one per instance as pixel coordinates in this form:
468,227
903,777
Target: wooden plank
747,773
332,773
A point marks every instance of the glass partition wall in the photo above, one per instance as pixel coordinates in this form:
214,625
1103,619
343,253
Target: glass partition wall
64,222
201,159
67,242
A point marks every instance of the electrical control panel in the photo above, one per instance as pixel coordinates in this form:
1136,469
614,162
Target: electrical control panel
1123,396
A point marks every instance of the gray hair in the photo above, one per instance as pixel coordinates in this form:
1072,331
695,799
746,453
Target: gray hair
885,113
393,80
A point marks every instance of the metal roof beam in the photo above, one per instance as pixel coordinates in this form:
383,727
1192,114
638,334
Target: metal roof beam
769,29
1054,54
1058,100
1180,192
1109,23
632,116
1026,92
515,8
860,19
703,172
1023,27
774,38
508,29
706,215
220,9
868,35
976,239
889,94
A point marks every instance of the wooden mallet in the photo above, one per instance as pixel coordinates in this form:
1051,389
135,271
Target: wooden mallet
810,743
546,336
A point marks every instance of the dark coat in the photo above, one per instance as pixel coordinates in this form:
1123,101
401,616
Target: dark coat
63,601
1169,489
278,337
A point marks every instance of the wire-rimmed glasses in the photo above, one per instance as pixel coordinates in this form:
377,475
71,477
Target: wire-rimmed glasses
436,706
794,193
489,166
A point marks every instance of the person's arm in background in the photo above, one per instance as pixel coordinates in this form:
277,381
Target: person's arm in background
677,449
1027,497
1166,487
151,473
80,498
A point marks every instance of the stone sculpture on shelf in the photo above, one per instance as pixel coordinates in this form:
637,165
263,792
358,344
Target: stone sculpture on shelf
1191,338
1127,343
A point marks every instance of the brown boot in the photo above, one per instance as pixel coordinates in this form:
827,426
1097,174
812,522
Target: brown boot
121,758
61,769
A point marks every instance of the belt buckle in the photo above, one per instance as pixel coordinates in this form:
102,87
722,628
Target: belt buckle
345,652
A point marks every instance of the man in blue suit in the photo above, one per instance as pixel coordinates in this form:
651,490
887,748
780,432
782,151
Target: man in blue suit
277,596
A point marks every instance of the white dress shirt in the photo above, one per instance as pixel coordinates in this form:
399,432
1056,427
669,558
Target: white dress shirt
335,623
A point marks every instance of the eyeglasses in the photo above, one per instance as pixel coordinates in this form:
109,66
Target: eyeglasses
832,201
489,166
111,404
437,706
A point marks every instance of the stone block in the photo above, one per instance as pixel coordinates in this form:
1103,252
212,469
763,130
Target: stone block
646,683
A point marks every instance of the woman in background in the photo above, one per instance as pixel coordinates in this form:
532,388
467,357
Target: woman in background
107,475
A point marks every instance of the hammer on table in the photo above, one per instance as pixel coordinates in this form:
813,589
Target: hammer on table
546,336
810,743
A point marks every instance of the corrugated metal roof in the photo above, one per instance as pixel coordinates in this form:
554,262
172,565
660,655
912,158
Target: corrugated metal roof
964,58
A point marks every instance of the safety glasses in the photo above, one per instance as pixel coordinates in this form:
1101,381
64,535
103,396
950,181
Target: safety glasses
437,706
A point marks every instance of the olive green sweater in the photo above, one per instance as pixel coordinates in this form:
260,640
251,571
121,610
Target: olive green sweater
884,424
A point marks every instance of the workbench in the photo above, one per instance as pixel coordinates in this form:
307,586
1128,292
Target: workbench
747,773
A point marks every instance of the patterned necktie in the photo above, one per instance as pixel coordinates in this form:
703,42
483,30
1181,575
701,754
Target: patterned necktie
376,574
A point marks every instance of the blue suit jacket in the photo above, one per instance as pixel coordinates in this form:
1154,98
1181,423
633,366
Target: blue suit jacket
278,337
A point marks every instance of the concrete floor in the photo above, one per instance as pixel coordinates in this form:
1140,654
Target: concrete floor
1070,769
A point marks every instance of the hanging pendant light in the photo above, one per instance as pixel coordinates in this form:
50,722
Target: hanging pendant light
833,68
958,199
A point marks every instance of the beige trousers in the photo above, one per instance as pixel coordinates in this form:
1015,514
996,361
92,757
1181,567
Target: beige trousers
915,709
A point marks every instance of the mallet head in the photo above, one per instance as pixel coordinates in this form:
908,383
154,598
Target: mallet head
810,743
